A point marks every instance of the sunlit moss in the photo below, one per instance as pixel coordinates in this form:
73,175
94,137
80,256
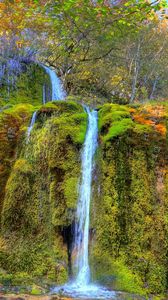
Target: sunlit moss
115,273
13,124
28,87
128,249
41,193
130,195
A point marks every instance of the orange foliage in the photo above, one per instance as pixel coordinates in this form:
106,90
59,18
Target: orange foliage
140,119
17,15
132,110
157,113
161,128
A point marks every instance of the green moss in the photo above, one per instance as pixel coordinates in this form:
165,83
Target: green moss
6,279
140,128
118,128
70,191
159,297
129,242
115,274
20,110
67,114
35,257
17,196
41,194
35,290
13,122
114,120
109,113
28,88
63,106
21,278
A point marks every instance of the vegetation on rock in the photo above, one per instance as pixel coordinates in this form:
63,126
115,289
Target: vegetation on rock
40,190
41,194
110,55
13,124
130,241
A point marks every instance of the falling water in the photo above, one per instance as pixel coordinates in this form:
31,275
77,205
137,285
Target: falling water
82,287
33,120
83,208
58,92
44,95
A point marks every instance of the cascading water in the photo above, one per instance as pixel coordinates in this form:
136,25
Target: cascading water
83,208
58,92
33,120
44,95
81,286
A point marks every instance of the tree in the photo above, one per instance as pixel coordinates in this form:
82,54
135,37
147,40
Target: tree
84,40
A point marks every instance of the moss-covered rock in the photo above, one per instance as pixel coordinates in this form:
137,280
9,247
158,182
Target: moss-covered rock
13,124
130,195
129,208
41,194
28,88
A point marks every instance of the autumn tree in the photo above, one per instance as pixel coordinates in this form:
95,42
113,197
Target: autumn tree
94,45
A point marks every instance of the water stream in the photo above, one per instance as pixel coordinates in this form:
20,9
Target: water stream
83,207
33,120
58,93
81,286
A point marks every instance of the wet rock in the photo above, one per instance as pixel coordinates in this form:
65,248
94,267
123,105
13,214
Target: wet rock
11,133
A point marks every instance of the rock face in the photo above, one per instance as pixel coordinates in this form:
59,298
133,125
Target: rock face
12,122
39,190
31,86
131,197
40,196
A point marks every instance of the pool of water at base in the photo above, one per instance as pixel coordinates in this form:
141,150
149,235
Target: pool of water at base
91,292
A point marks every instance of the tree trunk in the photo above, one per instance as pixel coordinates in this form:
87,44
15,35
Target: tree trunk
136,72
153,88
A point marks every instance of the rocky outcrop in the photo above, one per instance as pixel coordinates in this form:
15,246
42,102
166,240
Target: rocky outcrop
130,241
41,194
39,189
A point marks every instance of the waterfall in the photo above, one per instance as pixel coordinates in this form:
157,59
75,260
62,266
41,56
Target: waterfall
83,207
33,120
58,92
44,95
81,287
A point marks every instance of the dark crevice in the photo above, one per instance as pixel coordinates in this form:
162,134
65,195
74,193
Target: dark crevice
67,233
